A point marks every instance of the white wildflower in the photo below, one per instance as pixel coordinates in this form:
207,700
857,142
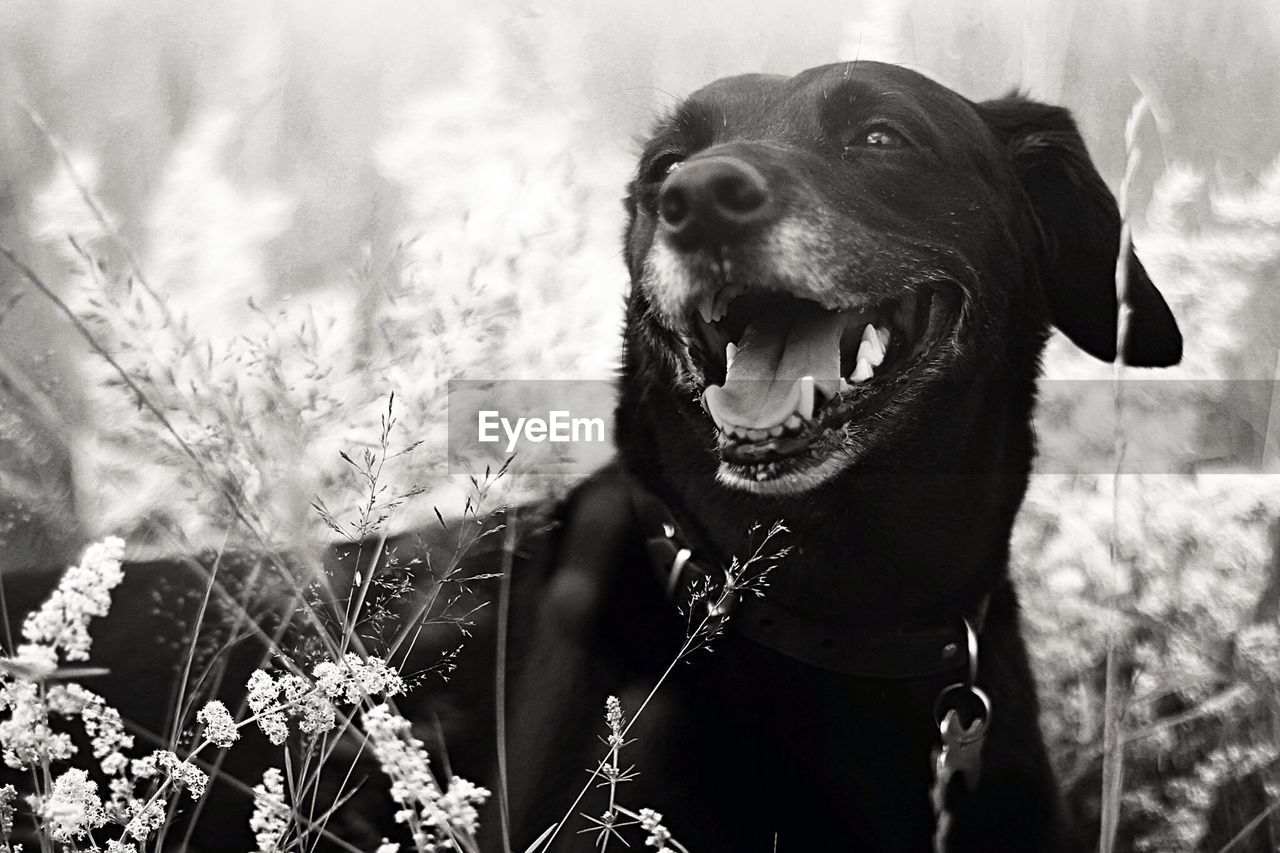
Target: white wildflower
354,679
183,773
122,801
315,713
84,592
8,796
263,691
270,818
121,847
35,662
432,815
659,835
144,768
26,737
613,717
102,724
219,726
145,818
275,727
388,847
264,695
73,809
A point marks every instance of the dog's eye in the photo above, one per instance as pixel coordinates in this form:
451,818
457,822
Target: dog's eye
880,136
661,166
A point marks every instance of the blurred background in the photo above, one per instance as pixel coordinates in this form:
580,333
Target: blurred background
248,223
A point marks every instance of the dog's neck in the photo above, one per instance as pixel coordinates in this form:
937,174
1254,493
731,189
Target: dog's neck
880,546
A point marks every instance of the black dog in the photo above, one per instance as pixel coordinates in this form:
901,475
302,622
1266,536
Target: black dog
841,286
842,282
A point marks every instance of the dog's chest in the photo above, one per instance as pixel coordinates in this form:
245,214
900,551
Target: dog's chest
811,754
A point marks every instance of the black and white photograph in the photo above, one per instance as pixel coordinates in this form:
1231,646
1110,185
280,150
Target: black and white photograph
683,427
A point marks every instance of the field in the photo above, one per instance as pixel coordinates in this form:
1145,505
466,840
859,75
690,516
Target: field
233,231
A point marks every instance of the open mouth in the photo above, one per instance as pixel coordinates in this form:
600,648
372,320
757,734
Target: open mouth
785,374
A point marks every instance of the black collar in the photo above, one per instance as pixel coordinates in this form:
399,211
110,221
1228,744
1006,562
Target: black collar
916,652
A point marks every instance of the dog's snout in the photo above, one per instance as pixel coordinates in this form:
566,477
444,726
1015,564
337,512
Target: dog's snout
713,201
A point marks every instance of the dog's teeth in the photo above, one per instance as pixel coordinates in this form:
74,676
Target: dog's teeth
706,308
870,348
757,434
844,386
805,406
863,371
885,334
775,431
723,297
793,422
730,353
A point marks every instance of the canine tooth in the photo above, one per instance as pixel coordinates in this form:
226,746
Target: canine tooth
706,308
844,386
863,371
870,349
885,334
723,297
775,431
805,406
871,335
793,422
730,353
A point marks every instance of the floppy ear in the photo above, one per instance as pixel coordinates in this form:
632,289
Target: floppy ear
1080,224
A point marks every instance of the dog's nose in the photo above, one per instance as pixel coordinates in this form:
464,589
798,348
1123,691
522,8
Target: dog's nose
713,201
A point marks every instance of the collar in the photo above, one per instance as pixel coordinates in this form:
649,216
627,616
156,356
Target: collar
907,653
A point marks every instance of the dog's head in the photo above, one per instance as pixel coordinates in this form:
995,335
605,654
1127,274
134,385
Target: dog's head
825,264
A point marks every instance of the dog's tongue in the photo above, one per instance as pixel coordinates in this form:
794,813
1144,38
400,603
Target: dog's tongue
762,386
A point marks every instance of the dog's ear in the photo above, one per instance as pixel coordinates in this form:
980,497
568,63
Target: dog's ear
1080,223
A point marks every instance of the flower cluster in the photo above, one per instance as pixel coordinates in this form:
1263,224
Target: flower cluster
102,724
8,795
613,718
270,820
72,810
264,701
62,622
434,817
273,700
659,835
354,679
219,727
183,773
25,736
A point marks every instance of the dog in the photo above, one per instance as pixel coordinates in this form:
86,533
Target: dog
841,286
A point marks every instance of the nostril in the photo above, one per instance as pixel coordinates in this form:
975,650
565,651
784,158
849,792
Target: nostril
673,205
739,193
